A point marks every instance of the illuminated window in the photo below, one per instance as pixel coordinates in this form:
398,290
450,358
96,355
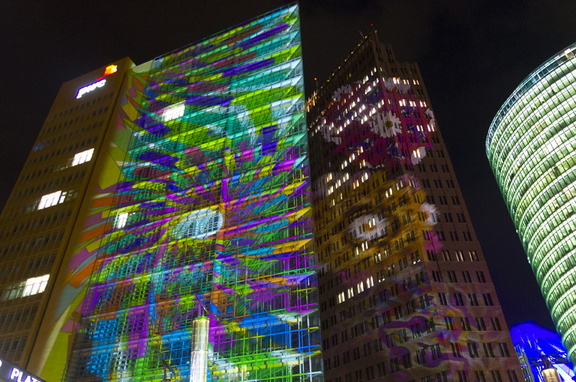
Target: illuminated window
49,200
55,198
173,112
30,287
121,220
199,224
82,157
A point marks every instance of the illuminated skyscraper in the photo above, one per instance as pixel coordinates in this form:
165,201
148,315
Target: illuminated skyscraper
46,232
404,289
531,148
198,245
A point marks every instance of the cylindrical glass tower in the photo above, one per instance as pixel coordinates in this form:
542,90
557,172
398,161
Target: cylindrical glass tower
531,147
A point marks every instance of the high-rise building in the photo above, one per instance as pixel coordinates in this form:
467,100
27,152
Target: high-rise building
186,252
46,238
540,348
405,292
532,153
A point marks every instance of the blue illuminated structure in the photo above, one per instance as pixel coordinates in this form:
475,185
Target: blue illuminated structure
538,347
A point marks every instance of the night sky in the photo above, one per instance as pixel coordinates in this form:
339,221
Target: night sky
472,54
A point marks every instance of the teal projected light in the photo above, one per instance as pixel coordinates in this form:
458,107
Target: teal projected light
206,272
531,147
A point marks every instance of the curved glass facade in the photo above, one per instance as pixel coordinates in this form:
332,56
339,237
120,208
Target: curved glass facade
531,147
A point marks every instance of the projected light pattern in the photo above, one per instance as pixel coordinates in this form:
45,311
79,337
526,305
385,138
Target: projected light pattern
531,147
377,123
211,227
376,213
400,298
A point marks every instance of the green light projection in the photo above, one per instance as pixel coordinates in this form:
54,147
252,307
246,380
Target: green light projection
206,272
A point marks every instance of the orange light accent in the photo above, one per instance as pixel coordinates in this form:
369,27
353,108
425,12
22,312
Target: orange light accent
110,69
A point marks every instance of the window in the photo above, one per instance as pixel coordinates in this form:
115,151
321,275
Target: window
459,255
496,376
456,349
394,365
488,299
381,369
442,298
495,323
473,349
512,376
503,347
421,356
82,157
173,112
488,351
480,323
480,276
406,361
370,373
462,376
449,321
120,220
479,374
30,287
436,352
50,200
458,299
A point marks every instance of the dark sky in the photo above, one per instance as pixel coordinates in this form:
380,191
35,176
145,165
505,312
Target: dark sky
472,54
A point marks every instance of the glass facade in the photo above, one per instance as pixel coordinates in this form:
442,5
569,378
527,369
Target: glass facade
206,271
531,147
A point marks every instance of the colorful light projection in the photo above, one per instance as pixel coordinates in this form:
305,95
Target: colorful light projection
211,248
539,348
378,122
374,208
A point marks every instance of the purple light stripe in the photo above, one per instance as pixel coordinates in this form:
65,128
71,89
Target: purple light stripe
248,68
256,39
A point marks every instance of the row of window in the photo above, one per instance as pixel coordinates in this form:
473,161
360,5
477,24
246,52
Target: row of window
12,348
40,223
30,287
78,106
35,243
423,356
49,169
52,183
79,129
459,255
459,299
465,276
433,167
38,265
463,323
14,321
